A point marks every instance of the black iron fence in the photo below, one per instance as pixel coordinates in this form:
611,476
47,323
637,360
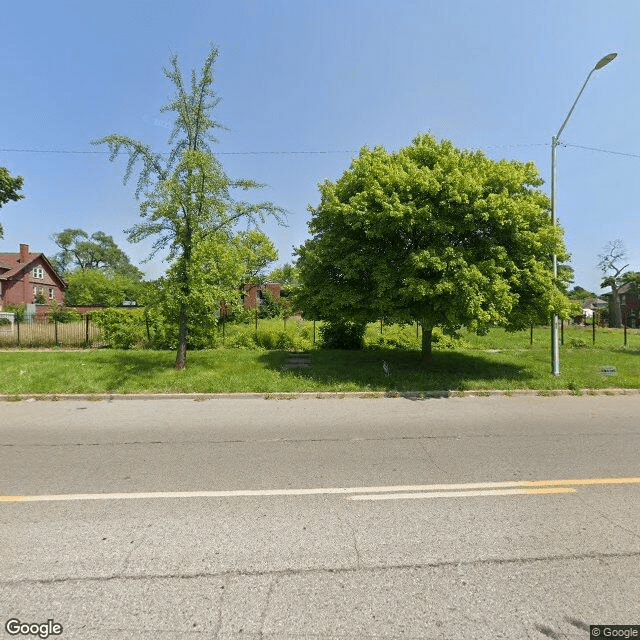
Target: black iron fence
43,332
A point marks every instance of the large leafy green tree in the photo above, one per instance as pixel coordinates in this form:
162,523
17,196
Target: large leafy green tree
99,252
432,234
580,293
94,287
287,275
9,188
187,195
257,252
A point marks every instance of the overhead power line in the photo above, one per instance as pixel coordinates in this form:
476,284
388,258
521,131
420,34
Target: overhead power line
617,153
219,153
324,151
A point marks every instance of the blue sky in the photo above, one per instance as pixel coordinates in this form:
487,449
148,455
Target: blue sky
325,76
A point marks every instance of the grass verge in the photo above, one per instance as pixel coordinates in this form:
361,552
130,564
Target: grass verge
496,361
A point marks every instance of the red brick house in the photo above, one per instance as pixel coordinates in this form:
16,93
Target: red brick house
254,294
27,277
629,294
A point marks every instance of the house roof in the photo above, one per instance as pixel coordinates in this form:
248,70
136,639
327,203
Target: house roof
628,287
594,303
11,261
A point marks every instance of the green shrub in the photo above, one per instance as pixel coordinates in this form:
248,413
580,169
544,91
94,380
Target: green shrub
393,337
19,311
242,338
59,313
4,321
271,306
577,343
443,341
404,337
121,328
238,314
342,334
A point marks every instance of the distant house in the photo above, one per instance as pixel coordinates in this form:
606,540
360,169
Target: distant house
592,304
629,295
254,294
29,278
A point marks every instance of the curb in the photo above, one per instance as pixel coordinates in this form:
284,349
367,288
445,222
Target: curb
311,395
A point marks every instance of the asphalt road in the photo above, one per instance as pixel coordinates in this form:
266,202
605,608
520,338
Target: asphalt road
456,518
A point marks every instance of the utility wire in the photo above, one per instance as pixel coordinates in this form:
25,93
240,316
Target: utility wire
219,153
312,152
617,153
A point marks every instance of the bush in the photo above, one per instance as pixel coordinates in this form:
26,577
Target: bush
19,311
243,338
270,338
342,334
271,306
444,341
577,343
240,315
59,313
404,337
4,321
121,328
393,337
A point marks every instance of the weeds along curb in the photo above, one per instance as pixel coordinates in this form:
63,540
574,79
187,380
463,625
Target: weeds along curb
315,395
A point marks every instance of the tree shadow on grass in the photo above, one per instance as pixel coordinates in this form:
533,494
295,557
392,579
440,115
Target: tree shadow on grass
130,364
448,370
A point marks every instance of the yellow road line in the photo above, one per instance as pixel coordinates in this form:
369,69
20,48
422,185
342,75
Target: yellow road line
462,494
581,482
472,487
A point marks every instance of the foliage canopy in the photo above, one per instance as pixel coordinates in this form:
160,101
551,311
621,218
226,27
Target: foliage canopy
188,198
79,251
435,235
9,188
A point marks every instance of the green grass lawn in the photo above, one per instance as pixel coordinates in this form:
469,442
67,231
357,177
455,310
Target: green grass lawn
498,360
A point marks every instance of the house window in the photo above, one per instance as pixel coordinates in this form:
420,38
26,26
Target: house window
38,295
51,293
38,272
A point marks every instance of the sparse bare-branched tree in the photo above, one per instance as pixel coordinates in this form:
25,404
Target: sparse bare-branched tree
610,263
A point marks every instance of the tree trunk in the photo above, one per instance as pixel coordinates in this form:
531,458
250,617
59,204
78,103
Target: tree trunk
616,312
181,357
426,344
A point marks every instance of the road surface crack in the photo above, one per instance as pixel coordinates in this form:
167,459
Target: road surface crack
267,603
610,520
279,573
224,589
352,531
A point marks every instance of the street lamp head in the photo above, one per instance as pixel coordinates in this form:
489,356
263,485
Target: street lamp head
604,61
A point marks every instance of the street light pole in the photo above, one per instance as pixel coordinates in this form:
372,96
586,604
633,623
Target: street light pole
555,140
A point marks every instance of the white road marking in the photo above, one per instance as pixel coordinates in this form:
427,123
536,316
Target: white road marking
472,488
